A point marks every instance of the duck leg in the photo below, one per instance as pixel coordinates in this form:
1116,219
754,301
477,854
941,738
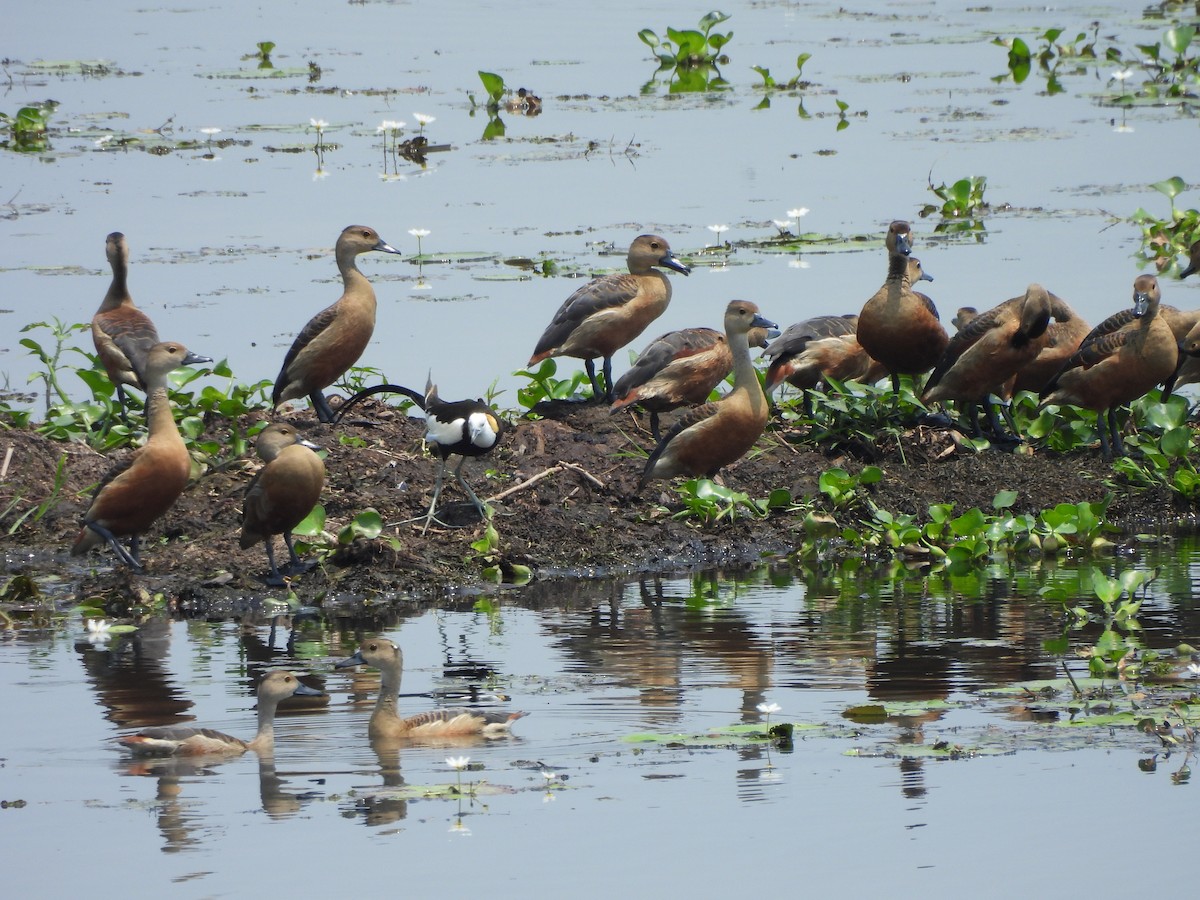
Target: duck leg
121,400
296,565
590,368
129,557
1105,450
1118,446
321,405
608,382
275,579
654,426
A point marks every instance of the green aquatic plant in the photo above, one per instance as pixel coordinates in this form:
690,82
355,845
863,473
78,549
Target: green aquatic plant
544,386
493,86
28,127
488,553
796,82
1114,652
263,54
710,503
1164,240
689,48
961,200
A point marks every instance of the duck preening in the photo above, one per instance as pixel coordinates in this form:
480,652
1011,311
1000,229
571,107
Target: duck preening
816,350
336,337
462,428
1120,360
147,483
183,740
386,721
122,333
711,436
611,311
986,353
681,368
281,494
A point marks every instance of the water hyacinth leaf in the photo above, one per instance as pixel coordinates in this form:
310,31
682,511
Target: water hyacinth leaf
1171,187
312,524
493,84
1179,39
1004,499
649,38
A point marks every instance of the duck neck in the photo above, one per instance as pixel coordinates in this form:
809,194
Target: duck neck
160,421
897,266
118,291
264,737
388,704
745,376
352,278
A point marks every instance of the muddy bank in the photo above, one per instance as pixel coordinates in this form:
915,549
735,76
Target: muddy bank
583,518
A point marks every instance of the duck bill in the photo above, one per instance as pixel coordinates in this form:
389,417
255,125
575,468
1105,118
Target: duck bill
355,660
760,322
903,245
303,690
385,247
195,359
309,444
925,276
1141,303
671,261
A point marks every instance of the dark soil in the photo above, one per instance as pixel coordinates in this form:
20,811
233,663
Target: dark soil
585,519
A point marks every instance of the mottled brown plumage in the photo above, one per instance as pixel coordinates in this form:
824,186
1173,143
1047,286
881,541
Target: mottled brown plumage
681,368
1114,367
898,326
336,337
817,349
146,484
122,333
282,493
1061,339
386,721
987,352
609,312
711,436
184,740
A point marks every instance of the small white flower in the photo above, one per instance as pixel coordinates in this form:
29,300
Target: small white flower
389,125
210,131
423,119
1123,129
799,264
798,213
319,174
784,224
769,708
319,124
549,776
100,142
718,228
1194,669
98,631
419,232
457,762
1120,74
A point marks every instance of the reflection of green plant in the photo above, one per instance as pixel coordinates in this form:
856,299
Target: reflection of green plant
1112,653
689,48
263,54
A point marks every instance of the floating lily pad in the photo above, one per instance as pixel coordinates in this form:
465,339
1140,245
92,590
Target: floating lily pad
729,736
439,791
256,74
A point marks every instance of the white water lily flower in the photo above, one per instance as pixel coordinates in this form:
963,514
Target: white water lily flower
769,708
423,119
389,125
100,142
798,213
457,762
98,631
784,224
1194,669
1120,74
319,124
799,264
210,131
718,228
419,232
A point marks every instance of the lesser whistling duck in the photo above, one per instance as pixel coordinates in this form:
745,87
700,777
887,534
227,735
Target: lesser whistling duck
281,494
608,312
1113,367
822,347
386,721
336,337
147,483
122,333
1188,371
898,326
987,352
681,368
452,428
183,740
1061,338
711,436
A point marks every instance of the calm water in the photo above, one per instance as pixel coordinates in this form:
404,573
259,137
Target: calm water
593,665
231,254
